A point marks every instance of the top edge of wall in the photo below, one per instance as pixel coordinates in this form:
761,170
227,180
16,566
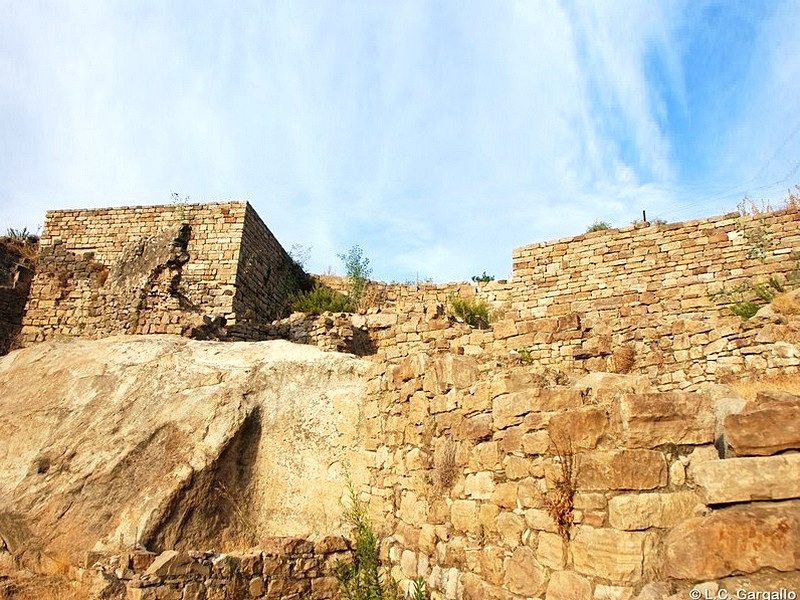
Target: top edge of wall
630,228
164,205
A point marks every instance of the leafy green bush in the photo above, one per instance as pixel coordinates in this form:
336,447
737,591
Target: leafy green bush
745,299
357,269
320,299
483,278
474,312
598,226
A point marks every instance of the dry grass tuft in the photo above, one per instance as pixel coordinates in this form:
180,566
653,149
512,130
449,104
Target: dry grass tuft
786,304
785,382
43,587
623,359
559,499
444,460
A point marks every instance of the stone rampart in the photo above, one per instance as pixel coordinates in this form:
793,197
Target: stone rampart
641,299
189,269
492,483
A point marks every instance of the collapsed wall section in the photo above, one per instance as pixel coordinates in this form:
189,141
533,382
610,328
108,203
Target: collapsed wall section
16,273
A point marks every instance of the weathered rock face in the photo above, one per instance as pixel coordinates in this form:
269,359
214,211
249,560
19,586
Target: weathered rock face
174,443
736,540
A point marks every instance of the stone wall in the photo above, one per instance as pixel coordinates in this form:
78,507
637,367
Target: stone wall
266,274
280,568
189,269
638,299
496,483
645,290
16,273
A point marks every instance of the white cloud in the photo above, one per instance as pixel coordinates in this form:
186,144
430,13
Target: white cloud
438,136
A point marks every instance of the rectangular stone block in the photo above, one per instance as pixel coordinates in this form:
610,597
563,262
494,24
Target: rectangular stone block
619,556
748,479
635,469
508,409
578,428
551,550
764,432
650,420
642,511
464,515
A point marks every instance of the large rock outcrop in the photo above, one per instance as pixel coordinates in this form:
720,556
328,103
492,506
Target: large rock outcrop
170,442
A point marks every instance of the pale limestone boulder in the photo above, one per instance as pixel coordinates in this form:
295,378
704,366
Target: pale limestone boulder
171,442
740,539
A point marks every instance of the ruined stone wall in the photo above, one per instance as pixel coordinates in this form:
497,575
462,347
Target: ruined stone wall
266,274
279,568
639,299
494,483
644,291
16,274
152,269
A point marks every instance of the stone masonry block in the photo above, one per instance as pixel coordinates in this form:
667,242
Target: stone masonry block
747,479
619,556
765,431
740,539
578,428
650,420
643,511
635,469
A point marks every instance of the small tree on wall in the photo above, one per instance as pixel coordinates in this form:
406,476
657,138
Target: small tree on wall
357,269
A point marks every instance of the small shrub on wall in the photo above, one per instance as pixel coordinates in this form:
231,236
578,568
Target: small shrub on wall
598,226
320,299
474,312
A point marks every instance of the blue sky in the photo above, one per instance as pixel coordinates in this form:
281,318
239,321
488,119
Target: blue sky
436,135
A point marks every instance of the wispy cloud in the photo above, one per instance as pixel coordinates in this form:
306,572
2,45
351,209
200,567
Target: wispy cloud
436,135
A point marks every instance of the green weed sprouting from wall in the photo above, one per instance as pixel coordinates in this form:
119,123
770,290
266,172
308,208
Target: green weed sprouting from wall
746,299
484,278
524,356
474,313
362,578
180,204
754,224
